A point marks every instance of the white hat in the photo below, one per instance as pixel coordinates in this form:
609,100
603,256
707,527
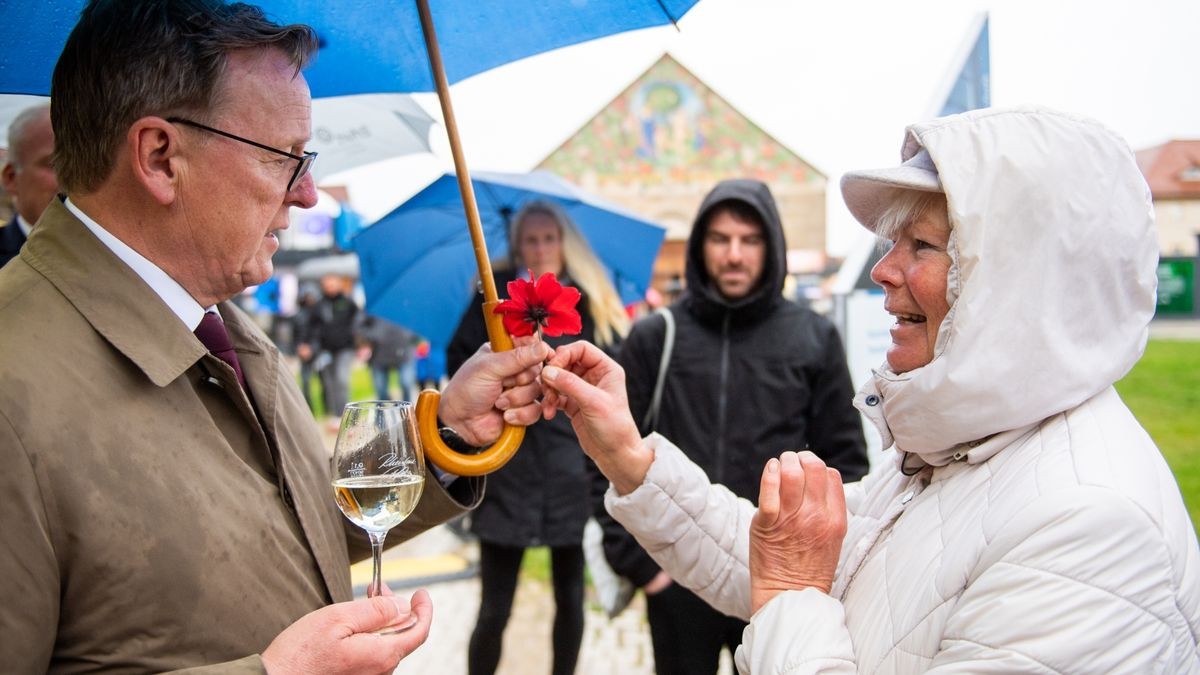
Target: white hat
866,192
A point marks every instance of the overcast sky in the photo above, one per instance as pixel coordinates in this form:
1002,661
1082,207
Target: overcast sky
838,81
835,80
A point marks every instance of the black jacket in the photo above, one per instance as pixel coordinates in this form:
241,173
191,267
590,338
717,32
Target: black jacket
540,498
334,323
747,380
11,240
392,345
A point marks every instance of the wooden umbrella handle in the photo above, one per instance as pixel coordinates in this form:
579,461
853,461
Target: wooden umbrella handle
457,463
427,404
436,450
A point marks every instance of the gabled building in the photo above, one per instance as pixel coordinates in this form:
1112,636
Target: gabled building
663,143
1173,172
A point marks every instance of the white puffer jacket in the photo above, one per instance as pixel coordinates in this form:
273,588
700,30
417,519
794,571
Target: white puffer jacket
1042,530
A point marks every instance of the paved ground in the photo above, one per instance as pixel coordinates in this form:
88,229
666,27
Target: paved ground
617,647
1175,329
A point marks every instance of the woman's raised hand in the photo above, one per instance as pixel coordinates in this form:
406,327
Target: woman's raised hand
796,535
582,381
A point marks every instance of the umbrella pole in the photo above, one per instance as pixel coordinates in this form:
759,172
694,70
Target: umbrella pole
427,404
495,327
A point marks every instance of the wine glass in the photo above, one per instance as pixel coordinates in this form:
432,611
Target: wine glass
378,472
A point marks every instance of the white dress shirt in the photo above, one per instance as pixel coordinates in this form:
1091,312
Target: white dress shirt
179,300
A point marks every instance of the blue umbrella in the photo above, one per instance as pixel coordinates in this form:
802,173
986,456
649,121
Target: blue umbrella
417,264
370,46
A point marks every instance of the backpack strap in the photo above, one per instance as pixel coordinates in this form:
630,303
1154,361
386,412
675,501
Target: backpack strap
651,419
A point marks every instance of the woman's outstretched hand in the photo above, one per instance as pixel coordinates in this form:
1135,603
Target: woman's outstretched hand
582,381
796,535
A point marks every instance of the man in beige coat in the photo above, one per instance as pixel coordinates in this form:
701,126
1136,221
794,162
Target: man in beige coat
159,514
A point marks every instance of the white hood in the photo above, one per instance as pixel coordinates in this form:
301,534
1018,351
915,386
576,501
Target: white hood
1051,286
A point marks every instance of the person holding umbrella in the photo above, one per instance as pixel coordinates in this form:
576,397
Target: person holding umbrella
167,498
540,498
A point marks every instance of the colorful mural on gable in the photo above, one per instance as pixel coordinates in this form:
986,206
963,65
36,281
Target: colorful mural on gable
668,127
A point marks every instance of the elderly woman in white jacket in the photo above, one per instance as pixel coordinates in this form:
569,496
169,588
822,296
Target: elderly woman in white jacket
1027,523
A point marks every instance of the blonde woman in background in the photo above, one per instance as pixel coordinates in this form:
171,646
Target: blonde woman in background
540,498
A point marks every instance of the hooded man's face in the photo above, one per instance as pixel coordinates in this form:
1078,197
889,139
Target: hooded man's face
734,254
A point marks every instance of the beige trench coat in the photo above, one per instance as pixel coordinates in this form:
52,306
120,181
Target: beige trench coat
149,522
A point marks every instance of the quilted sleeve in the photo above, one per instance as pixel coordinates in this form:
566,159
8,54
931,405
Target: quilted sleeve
698,532
797,632
1078,581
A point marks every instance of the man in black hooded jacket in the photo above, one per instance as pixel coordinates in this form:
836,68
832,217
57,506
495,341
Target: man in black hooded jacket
751,376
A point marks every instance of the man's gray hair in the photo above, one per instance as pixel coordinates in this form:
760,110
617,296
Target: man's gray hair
18,129
127,59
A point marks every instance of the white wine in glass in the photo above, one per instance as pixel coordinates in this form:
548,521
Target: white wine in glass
378,472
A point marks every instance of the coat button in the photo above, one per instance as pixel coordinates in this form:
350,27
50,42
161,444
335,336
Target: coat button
872,400
907,496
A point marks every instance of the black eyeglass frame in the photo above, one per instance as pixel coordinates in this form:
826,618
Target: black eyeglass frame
302,168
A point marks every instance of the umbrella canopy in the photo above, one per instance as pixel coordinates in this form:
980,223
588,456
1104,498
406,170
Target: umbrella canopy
347,131
371,46
417,262
350,131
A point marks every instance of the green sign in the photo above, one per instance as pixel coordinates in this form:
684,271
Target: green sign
1176,287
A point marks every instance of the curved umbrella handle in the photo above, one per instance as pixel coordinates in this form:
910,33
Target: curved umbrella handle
443,455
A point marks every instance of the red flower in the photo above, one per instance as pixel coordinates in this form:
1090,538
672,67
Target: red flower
541,305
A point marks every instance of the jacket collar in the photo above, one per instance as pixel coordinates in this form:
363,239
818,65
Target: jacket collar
111,297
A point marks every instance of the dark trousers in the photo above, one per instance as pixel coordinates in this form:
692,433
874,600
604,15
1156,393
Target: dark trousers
498,569
687,634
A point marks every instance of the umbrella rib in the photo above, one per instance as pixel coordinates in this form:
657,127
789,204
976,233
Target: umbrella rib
669,16
494,202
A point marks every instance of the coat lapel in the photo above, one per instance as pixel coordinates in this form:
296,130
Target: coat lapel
111,296
287,423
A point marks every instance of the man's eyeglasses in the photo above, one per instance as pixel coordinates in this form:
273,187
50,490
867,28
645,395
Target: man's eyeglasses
302,168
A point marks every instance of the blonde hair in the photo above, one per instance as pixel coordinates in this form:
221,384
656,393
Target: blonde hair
584,268
904,208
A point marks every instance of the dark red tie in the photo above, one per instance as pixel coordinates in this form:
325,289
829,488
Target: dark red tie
212,333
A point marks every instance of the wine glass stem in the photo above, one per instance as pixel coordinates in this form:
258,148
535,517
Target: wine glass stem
376,563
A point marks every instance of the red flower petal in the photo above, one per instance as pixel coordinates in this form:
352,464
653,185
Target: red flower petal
515,310
563,319
547,289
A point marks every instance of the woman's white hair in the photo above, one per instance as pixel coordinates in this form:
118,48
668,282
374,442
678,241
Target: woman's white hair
905,207
582,266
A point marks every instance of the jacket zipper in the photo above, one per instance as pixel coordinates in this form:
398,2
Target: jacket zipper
722,401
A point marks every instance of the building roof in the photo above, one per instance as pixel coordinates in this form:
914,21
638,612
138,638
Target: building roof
1172,169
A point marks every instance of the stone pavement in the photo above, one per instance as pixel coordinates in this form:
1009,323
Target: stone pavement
617,647
1175,329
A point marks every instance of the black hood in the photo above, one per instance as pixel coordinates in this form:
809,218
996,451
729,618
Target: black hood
702,298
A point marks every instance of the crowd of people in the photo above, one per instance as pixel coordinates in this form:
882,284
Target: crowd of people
330,334
177,514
